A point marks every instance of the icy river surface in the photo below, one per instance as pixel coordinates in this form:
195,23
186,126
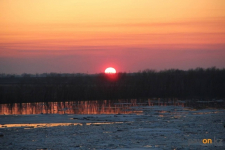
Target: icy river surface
156,124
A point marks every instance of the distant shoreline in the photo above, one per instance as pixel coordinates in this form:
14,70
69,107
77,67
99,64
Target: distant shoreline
196,83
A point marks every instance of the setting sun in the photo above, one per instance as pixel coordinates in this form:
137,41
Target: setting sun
110,70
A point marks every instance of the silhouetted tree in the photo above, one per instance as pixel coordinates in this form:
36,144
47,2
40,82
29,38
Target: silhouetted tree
193,83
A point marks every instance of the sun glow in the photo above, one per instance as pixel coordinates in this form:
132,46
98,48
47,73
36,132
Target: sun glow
110,70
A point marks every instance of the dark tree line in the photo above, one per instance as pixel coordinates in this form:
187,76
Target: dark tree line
173,83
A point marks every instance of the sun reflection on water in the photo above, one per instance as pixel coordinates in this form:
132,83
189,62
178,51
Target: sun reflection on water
45,125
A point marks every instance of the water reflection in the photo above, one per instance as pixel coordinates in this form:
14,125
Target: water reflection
44,125
121,106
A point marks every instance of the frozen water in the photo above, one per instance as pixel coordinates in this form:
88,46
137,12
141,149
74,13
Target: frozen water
157,128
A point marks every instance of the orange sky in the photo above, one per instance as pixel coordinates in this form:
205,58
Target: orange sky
87,36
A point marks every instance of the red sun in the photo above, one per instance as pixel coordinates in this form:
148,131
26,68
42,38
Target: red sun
110,70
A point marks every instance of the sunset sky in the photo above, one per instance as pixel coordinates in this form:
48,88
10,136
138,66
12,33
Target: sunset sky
87,36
